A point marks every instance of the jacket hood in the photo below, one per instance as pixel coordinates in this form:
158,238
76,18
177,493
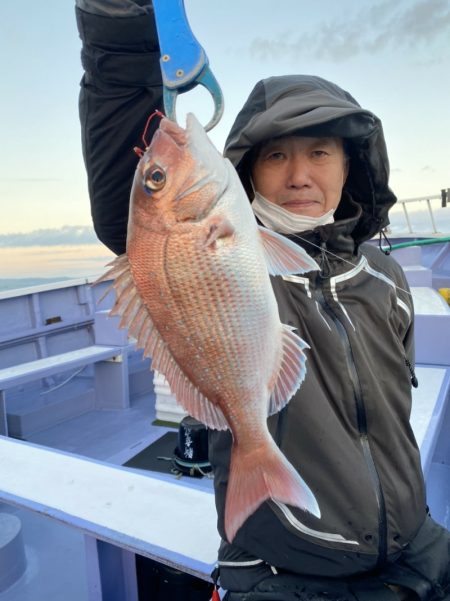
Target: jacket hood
311,106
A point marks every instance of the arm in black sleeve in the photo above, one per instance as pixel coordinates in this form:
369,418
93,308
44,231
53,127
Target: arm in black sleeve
120,88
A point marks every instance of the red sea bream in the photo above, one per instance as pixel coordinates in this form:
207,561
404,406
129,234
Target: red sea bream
193,288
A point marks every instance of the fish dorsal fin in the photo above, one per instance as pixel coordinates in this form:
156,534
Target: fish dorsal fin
292,370
136,318
283,256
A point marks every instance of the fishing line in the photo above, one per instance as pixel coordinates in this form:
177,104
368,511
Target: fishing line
344,260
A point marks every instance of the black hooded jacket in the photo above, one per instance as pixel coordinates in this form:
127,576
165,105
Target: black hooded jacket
347,429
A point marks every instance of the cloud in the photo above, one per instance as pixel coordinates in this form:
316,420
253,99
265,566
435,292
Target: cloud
371,30
429,169
66,235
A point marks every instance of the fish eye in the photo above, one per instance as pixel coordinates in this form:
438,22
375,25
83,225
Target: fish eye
154,178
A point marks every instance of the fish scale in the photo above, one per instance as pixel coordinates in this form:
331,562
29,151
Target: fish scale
209,300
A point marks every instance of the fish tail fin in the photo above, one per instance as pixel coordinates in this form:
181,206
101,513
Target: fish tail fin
259,475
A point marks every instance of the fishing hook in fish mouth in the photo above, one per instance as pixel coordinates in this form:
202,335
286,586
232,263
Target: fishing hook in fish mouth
139,151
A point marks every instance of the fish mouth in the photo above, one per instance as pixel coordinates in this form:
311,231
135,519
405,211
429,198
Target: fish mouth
176,133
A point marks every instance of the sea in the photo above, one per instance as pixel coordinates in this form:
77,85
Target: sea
25,266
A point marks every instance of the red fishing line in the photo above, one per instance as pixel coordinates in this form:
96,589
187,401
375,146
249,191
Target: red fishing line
138,150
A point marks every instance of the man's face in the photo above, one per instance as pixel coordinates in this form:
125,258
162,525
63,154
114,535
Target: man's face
302,175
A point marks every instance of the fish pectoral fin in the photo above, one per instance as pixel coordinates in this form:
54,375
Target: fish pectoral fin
292,371
283,256
219,228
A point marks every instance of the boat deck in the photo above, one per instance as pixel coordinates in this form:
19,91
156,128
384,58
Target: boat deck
113,436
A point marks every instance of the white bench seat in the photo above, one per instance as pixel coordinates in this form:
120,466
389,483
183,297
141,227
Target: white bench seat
114,375
48,366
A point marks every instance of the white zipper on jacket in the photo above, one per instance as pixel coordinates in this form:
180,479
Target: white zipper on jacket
361,420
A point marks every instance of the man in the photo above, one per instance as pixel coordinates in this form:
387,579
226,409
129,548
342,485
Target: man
315,167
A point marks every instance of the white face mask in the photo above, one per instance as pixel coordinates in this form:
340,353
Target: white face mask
282,221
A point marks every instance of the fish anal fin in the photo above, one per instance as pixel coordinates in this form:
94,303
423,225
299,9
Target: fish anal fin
292,370
190,397
186,393
259,476
284,257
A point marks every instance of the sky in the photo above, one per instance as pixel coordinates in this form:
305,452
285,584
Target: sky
393,57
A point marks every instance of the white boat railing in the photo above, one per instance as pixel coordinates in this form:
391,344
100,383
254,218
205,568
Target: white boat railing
444,197
120,511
